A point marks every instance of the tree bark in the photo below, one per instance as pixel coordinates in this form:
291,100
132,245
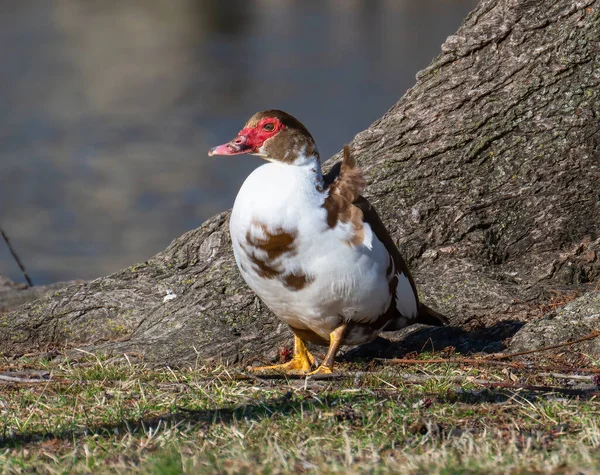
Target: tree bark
13,294
486,172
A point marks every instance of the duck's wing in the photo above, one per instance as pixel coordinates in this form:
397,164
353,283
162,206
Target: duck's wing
345,202
402,285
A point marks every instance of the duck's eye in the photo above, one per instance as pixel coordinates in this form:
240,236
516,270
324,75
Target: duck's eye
269,127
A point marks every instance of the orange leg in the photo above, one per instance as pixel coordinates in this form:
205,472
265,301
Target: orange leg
335,340
301,362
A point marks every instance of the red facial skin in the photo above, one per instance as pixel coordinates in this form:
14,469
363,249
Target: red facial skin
249,139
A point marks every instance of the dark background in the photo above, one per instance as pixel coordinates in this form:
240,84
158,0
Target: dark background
108,107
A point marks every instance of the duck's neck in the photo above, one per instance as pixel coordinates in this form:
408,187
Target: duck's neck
312,164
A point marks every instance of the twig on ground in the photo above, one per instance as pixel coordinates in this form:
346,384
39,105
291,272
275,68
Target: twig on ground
471,361
248,376
489,362
545,389
574,377
15,379
589,336
16,257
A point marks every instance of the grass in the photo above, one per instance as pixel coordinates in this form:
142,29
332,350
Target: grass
114,416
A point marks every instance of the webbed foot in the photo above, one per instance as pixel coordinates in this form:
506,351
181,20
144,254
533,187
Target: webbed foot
321,370
295,366
301,363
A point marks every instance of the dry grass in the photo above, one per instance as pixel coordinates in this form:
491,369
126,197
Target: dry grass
116,416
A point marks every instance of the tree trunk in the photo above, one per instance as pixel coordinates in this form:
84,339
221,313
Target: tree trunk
486,172
12,294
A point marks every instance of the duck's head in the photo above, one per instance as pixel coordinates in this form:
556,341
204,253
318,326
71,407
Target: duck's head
273,135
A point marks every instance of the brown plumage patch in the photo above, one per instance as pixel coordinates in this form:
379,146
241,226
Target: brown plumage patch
392,280
275,244
288,145
343,192
263,267
297,281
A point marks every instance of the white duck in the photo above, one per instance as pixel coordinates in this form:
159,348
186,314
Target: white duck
312,248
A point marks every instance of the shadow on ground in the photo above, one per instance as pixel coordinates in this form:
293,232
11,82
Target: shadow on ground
491,339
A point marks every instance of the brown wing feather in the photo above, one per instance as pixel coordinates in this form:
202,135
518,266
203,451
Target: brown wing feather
346,182
343,190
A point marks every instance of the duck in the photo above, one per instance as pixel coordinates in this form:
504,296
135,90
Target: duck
313,249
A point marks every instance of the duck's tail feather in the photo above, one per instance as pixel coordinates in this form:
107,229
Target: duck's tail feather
428,316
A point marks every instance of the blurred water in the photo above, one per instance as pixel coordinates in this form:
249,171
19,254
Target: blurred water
107,109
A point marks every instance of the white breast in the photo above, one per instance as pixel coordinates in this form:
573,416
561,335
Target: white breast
318,279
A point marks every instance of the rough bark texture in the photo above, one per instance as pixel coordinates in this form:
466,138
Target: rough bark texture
575,320
486,173
13,294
